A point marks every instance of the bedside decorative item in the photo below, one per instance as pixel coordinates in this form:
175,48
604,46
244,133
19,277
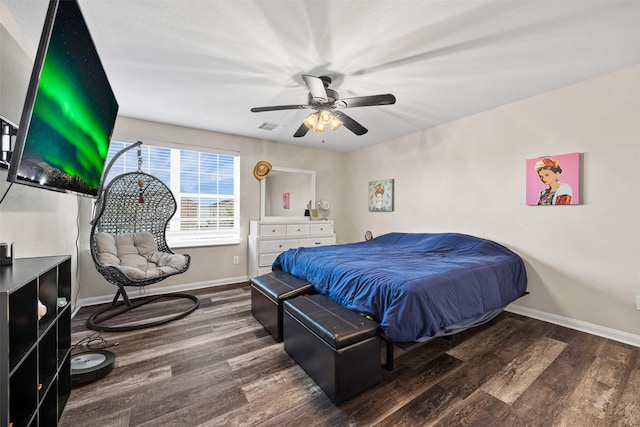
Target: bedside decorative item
381,196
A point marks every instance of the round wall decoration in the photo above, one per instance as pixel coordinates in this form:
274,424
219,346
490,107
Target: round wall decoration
261,170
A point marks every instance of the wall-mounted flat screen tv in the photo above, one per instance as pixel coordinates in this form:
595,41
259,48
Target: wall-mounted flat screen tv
69,112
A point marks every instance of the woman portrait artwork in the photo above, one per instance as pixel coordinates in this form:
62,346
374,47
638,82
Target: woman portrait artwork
381,196
554,180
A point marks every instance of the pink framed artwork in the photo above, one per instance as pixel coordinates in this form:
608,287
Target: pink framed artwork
553,180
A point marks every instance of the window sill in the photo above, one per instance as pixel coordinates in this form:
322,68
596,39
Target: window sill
202,243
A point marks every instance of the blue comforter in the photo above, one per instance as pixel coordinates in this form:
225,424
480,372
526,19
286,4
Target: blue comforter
417,286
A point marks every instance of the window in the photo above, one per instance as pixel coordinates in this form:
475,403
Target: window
205,184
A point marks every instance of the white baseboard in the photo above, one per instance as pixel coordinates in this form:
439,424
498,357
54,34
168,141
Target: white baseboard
578,325
82,302
567,322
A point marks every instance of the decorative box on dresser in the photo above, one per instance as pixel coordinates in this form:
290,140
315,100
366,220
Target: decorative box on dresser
268,239
35,364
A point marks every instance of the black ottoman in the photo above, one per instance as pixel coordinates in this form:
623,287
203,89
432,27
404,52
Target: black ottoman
337,347
267,294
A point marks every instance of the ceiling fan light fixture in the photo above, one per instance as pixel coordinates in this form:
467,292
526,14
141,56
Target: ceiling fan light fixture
324,120
326,102
325,117
321,121
320,127
335,123
311,120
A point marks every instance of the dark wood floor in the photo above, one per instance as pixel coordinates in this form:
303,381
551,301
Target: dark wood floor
219,367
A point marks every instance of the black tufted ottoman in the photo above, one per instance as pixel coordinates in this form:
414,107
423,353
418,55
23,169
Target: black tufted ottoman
337,347
267,294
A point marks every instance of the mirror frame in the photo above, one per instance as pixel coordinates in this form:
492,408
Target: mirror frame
263,191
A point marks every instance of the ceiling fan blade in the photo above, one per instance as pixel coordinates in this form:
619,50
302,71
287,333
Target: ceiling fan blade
302,131
349,123
316,87
365,101
280,107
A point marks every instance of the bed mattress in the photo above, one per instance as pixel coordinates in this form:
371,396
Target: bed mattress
417,286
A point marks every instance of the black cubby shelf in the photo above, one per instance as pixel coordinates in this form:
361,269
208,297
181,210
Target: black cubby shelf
35,372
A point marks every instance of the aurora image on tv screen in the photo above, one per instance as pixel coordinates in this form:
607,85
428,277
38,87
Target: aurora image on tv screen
67,128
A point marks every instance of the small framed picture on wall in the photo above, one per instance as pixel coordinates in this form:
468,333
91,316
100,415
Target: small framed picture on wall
381,196
554,180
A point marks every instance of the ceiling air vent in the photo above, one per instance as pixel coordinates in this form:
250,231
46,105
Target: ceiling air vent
270,126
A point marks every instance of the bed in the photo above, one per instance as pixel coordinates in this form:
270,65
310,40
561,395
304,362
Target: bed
417,286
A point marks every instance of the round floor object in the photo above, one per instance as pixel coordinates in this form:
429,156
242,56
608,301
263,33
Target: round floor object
90,365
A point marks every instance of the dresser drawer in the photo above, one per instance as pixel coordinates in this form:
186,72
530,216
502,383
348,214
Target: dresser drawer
273,230
267,259
278,245
318,241
297,229
322,228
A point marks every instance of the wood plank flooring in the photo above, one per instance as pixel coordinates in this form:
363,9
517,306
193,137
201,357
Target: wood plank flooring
219,367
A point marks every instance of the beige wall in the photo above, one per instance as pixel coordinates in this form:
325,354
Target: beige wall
43,223
214,265
468,176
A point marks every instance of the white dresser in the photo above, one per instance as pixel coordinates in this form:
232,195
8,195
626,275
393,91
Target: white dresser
267,239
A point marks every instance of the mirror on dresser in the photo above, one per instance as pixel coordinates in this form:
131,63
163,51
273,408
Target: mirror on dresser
285,193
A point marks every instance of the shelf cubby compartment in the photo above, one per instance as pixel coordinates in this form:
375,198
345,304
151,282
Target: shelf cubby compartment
64,383
23,322
48,411
64,333
48,295
64,281
47,360
23,387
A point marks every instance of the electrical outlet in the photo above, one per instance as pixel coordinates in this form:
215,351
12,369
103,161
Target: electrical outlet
236,260
638,302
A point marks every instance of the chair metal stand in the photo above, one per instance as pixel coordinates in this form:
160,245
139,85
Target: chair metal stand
117,308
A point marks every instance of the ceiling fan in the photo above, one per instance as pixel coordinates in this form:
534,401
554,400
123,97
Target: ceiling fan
327,103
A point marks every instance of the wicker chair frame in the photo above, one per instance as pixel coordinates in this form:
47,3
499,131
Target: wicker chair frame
134,202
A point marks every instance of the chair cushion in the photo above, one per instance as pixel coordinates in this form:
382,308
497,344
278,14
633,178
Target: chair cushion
136,255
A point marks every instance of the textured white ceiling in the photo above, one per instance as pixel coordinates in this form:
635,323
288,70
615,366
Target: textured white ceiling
205,63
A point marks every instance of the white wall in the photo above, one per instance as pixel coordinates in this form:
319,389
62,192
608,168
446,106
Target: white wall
468,176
